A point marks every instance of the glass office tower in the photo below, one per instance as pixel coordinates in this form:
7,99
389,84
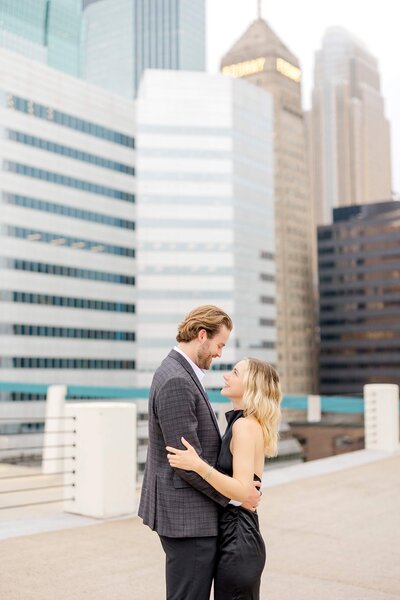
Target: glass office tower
108,49
107,42
122,38
359,280
46,30
63,30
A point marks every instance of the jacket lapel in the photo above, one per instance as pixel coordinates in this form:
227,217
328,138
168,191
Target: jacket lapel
182,361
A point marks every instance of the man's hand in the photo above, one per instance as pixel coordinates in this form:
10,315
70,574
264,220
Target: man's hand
253,500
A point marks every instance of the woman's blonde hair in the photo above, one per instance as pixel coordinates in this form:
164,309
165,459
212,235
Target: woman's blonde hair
208,317
261,399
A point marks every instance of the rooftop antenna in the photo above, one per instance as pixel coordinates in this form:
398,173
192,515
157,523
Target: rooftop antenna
259,9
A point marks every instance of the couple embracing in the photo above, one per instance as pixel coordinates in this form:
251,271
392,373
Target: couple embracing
200,492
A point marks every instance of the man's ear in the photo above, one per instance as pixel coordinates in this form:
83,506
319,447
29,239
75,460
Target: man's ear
202,335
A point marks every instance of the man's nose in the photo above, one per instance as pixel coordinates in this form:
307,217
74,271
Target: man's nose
219,353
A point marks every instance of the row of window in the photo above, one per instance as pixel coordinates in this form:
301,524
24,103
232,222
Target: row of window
49,114
372,367
360,320
362,291
21,428
267,300
67,181
345,351
266,345
48,269
364,233
21,362
66,332
99,161
222,367
361,307
383,274
267,323
65,301
267,255
67,211
22,397
361,263
369,337
266,277
77,244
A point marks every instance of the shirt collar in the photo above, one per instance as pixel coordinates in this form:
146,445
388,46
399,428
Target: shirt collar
200,374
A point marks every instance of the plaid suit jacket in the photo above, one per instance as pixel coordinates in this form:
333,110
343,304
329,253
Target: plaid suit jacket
174,502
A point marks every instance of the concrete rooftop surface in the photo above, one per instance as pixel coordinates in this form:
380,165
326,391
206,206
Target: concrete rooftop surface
332,536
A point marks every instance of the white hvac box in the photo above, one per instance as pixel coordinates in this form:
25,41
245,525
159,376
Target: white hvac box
381,414
104,461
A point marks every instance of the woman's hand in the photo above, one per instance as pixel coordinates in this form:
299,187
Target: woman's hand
184,459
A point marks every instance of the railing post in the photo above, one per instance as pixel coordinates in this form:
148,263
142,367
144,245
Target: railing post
313,409
381,414
53,457
104,466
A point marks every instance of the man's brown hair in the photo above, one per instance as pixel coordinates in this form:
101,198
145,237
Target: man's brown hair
208,317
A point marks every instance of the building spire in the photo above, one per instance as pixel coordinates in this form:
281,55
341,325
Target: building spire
259,9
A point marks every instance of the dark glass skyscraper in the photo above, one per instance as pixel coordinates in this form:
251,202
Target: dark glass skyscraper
359,278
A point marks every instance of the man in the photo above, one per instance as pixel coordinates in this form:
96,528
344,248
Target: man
179,505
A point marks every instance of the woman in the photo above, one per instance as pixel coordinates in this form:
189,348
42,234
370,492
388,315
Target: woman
252,432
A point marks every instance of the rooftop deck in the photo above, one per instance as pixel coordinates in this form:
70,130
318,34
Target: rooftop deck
331,527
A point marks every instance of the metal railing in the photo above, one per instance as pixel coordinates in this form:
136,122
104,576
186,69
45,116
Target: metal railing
29,457
30,454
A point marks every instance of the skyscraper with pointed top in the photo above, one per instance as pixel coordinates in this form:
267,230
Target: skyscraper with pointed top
349,132
261,57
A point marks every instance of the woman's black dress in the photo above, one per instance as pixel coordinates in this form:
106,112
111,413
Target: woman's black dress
241,549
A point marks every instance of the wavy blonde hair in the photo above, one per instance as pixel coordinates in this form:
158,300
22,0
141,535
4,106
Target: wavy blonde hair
208,317
261,399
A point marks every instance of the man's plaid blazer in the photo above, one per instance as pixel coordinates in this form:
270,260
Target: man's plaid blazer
178,503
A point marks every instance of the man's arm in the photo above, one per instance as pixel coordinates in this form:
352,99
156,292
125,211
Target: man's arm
175,408
237,486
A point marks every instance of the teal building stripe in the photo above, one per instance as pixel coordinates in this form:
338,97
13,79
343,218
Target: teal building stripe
335,404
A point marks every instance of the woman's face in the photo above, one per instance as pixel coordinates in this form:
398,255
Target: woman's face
234,387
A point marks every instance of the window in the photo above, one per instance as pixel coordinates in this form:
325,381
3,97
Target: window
59,179
72,122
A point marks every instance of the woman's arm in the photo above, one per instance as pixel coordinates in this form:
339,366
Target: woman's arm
239,486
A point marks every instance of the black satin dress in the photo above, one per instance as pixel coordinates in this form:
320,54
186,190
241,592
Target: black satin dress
241,549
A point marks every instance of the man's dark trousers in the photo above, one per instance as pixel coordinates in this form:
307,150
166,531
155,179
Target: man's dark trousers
179,505
189,567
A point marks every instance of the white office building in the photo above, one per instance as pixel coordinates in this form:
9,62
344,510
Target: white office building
205,213
67,221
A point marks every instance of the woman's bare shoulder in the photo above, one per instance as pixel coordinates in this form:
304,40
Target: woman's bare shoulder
246,425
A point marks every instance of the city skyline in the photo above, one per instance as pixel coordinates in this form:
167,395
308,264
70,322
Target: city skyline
305,41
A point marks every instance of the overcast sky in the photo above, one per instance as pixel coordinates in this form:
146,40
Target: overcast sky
301,25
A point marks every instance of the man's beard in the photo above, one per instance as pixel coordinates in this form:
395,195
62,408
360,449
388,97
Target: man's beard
204,357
